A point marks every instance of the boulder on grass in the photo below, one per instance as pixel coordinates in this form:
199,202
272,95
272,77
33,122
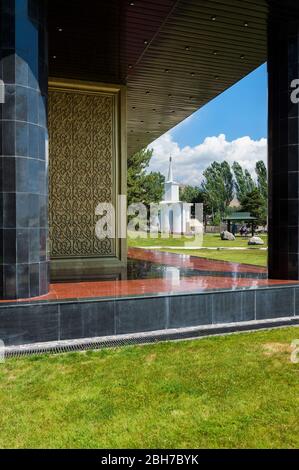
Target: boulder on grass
225,235
255,241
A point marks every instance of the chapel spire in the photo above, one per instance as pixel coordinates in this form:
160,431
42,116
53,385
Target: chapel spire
170,172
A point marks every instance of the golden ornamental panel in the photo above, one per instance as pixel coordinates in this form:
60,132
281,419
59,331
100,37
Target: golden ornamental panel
81,169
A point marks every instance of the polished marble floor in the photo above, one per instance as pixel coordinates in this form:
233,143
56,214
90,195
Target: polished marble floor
152,272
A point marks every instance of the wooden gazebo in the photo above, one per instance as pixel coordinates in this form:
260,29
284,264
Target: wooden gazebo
239,217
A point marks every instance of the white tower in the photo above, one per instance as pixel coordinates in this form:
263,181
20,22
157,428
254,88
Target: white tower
174,214
171,189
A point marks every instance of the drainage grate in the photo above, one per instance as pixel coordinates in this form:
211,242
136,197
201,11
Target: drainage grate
77,345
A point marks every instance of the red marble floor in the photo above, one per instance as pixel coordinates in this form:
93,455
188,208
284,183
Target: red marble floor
172,282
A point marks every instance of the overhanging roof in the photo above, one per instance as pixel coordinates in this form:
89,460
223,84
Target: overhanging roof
244,216
175,56
202,49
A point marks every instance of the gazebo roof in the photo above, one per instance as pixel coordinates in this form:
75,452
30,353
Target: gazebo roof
241,216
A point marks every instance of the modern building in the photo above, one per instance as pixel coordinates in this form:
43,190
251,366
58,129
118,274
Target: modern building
175,215
88,83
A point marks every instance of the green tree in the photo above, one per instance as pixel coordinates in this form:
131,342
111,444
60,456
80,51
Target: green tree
243,183
228,180
153,188
262,181
250,184
191,194
254,203
217,187
137,165
143,187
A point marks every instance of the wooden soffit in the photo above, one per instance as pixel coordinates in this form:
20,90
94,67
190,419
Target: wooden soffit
173,55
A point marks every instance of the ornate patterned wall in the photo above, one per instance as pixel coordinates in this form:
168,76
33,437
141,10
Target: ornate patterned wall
81,169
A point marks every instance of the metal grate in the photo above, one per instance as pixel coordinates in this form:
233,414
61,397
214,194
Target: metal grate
61,347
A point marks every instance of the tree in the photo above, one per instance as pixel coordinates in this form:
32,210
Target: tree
143,187
137,165
153,188
262,181
191,194
218,187
249,183
243,183
228,182
254,203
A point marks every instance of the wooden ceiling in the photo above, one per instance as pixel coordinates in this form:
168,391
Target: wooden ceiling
175,56
100,39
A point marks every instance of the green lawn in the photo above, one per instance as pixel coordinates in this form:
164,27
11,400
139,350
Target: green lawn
209,240
231,391
252,256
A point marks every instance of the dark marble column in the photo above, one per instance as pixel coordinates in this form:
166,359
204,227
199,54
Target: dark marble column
23,149
283,153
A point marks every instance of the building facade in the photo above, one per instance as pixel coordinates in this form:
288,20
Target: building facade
86,86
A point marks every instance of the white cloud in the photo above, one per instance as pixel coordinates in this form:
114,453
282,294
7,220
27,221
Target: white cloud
190,162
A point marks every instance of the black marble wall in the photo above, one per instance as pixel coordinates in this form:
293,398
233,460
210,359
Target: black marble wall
40,321
283,164
23,149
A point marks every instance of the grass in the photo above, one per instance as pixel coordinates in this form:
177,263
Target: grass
209,240
234,391
248,256
252,256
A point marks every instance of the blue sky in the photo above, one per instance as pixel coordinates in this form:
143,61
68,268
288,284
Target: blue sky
231,127
240,110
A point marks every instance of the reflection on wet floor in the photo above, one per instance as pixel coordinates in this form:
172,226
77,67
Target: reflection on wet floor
138,269
192,262
152,272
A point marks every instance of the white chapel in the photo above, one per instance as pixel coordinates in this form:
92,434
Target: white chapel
174,215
